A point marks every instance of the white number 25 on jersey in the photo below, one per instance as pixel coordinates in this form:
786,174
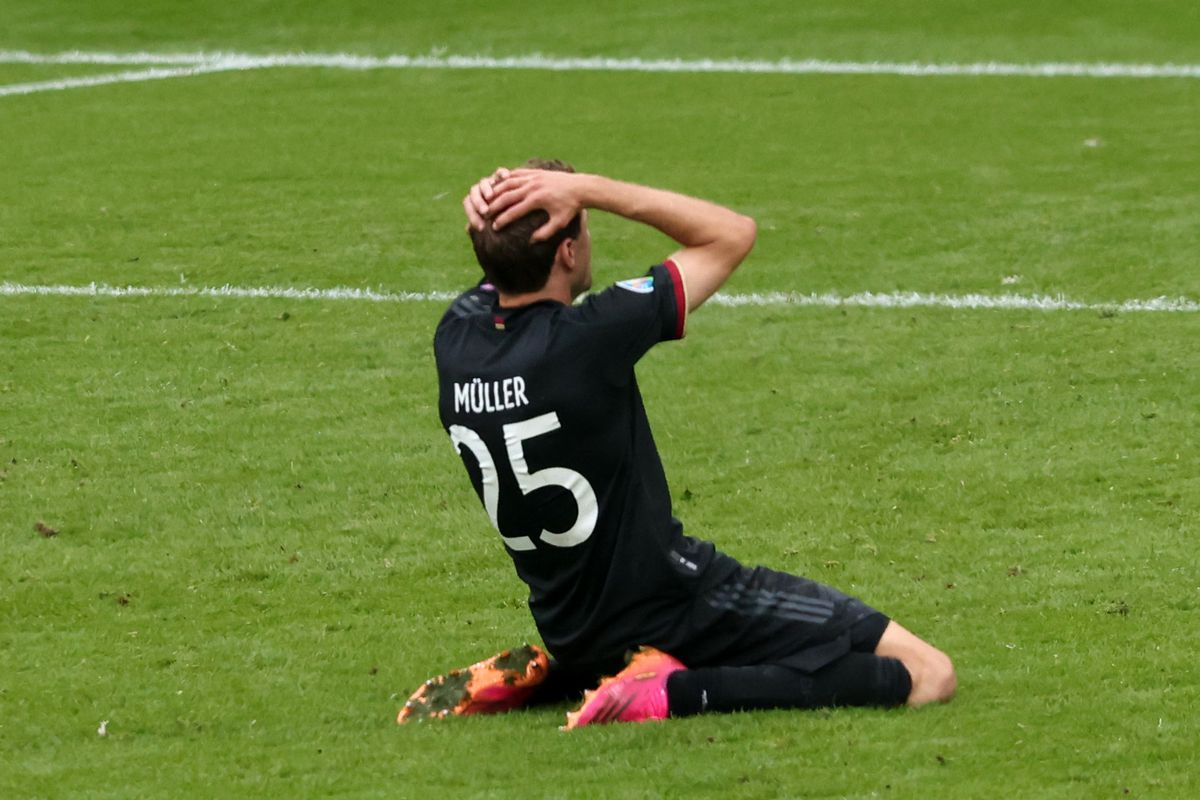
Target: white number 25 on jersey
515,435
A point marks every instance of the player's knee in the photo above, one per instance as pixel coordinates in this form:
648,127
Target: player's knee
933,679
943,681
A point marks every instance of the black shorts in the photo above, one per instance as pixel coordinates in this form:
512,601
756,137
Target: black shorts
760,616
755,616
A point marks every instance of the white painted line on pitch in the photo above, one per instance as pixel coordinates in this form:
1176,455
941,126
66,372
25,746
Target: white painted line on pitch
1037,302
1010,302
132,76
271,292
535,61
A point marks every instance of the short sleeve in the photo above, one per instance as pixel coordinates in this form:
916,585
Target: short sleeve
631,316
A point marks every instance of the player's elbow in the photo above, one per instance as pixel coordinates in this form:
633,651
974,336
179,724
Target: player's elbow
743,234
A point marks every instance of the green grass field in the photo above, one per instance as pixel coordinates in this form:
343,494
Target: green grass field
265,542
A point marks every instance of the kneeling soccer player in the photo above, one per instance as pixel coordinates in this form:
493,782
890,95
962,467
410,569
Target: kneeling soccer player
540,398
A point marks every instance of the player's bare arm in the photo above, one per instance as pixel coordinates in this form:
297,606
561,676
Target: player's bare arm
714,239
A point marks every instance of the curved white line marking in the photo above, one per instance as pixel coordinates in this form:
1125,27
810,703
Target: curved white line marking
130,76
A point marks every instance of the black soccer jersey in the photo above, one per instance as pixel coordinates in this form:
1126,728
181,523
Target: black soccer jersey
543,406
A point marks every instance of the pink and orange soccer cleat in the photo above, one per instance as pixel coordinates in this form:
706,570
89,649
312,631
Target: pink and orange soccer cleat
499,683
635,694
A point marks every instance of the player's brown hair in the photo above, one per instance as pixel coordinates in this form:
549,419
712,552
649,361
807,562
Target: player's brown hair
509,259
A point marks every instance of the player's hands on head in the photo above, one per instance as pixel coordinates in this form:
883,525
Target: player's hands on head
525,190
477,199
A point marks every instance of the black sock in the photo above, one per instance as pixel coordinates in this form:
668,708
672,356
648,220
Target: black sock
564,683
855,679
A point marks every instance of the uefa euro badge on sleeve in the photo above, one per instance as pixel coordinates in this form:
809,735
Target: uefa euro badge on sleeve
642,285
